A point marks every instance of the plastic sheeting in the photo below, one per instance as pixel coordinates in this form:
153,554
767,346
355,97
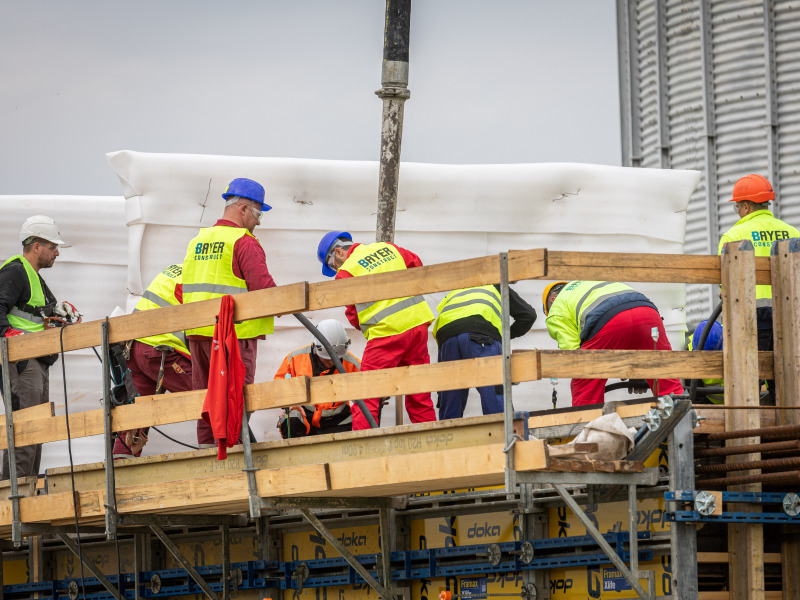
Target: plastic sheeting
445,213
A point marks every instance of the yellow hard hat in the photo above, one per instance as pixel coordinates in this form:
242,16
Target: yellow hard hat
547,290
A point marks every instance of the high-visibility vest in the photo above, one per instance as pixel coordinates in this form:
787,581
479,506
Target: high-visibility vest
581,304
714,398
482,301
159,294
208,273
298,363
385,317
762,229
29,319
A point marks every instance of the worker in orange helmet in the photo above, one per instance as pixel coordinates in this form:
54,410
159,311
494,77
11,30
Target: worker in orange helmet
752,195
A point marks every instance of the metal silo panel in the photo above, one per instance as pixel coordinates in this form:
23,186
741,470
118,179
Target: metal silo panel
647,57
786,48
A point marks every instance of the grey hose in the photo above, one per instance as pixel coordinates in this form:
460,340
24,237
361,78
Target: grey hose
336,363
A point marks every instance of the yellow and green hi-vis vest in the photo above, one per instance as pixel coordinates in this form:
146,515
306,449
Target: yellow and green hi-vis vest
208,273
482,301
159,294
20,319
385,317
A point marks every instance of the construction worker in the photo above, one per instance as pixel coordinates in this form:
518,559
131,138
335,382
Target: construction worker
396,329
713,342
314,361
604,315
159,361
752,194
469,326
27,305
227,259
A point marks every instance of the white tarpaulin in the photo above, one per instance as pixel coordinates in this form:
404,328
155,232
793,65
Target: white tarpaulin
445,213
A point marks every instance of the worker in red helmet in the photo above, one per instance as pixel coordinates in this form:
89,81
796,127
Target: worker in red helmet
752,195
604,315
396,329
227,259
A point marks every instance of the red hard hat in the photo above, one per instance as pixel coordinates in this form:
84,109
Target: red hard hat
755,188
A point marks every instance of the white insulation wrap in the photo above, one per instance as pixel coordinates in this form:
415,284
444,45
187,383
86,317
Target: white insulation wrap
445,213
91,274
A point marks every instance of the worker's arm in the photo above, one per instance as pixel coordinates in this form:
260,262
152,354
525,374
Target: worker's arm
286,370
251,263
522,313
411,259
14,289
350,310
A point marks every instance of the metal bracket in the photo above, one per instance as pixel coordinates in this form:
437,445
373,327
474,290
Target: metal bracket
16,524
69,543
508,406
111,494
347,555
632,578
175,551
249,468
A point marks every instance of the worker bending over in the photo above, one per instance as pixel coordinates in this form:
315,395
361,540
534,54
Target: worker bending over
469,325
149,355
396,329
314,361
227,259
593,315
752,194
27,305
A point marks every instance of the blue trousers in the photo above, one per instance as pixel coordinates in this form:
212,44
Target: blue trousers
453,402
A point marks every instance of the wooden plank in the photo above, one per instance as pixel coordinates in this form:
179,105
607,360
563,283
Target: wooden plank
768,595
40,411
336,447
785,266
745,541
567,451
722,557
261,303
531,455
617,266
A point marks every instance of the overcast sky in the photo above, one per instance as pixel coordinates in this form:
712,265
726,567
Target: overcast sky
500,81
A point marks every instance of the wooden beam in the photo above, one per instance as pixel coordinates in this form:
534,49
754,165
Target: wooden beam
262,303
785,266
740,346
40,411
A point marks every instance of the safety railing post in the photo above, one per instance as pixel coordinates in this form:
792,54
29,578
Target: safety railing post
249,468
16,525
508,406
111,495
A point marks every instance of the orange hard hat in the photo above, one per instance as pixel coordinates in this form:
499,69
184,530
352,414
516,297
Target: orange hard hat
547,290
755,188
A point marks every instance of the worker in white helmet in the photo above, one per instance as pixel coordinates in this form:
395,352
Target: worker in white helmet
314,361
27,305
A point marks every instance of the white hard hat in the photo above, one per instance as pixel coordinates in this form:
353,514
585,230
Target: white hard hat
41,227
336,335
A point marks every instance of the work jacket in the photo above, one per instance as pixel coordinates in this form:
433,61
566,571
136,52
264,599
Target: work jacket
29,316
302,362
483,302
582,308
208,273
385,317
159,294
762,229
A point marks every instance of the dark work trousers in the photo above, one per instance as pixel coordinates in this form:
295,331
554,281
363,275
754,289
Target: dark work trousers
144,364
32,387
766,344
462,346
201,362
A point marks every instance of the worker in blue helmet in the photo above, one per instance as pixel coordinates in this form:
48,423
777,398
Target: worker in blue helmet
713,342
227,259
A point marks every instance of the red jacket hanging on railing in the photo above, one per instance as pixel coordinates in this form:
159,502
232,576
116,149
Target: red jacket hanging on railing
222,408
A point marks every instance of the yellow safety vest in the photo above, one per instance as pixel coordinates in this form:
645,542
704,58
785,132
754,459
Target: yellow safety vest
762,229
161,293
21,319
482,301
208,273
385,317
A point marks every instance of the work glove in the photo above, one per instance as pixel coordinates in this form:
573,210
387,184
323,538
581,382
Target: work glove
68,312
11,332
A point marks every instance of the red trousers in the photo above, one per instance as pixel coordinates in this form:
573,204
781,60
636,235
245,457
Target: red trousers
144,365
629,330
404,349
201,360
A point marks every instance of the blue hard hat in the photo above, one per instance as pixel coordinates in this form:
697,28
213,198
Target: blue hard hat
247,188
325,244
714,339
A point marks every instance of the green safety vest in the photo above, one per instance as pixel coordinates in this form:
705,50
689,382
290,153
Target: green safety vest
21,319
482,301
715,398
385,317
208,273
762,229
159,294
580,304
